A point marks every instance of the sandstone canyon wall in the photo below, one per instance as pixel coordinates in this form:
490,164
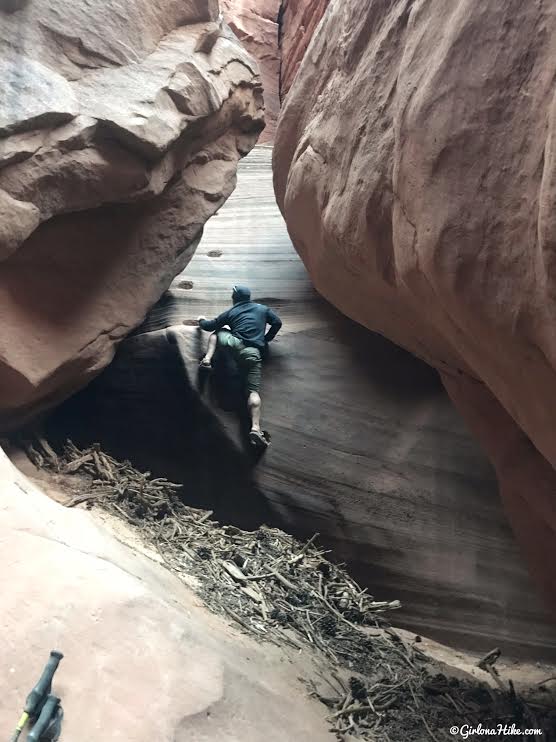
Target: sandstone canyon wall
277,33
143,657
367,449
121,125
299,21
256,26
414,164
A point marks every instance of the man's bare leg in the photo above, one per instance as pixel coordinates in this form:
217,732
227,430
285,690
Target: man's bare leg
211,349
256,435
254,406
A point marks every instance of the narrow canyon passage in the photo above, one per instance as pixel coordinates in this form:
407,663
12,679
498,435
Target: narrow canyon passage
366,447
382,176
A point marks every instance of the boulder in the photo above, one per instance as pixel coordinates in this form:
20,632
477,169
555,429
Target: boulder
120,132
414,165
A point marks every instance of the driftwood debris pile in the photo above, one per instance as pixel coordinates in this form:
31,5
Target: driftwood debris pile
380,686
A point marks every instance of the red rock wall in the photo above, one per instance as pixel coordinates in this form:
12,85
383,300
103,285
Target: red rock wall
414,164
300,19
107,176
68,572
277,33
256,26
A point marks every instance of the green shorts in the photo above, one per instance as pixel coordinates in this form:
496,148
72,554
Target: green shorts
247,358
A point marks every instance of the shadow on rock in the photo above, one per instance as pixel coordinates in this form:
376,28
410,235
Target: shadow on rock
146,407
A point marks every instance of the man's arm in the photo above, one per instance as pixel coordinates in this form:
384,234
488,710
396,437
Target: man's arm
275,324
210,325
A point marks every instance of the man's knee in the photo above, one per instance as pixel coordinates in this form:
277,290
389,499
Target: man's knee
254,399
224,337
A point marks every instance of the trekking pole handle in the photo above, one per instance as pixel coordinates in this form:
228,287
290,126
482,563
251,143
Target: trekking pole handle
47,714
42,688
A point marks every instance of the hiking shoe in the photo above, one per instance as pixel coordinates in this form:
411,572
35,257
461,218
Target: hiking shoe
257,438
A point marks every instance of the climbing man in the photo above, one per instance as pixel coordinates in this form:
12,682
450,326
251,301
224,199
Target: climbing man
246,339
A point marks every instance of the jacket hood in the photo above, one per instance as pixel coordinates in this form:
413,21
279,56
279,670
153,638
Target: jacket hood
241,293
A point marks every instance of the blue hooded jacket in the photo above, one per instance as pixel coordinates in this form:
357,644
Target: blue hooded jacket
246,319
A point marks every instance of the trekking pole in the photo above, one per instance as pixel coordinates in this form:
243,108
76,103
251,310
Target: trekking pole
37,697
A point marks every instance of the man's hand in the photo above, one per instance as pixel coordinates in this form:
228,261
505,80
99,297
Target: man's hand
200,318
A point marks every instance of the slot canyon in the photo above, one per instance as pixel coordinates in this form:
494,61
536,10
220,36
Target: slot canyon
381,174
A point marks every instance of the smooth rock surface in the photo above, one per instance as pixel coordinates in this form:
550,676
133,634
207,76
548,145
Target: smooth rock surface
120,131
143,659
256,26
414,165
366,446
